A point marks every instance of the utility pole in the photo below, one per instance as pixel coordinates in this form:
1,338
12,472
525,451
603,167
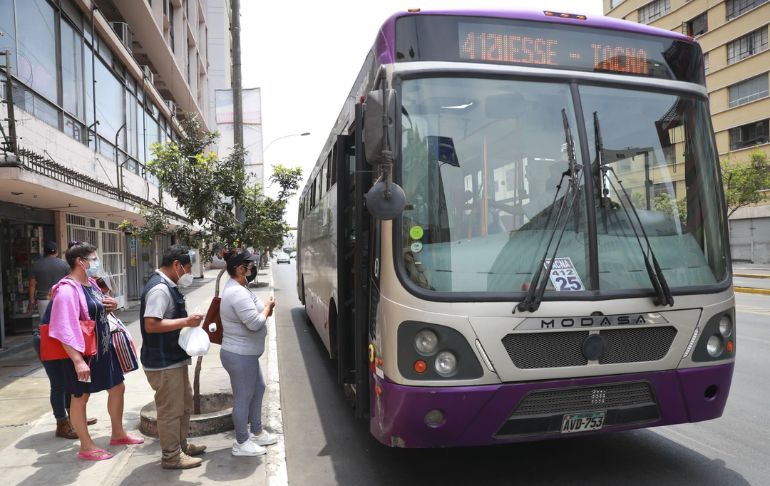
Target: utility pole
235,29
10,143
235,6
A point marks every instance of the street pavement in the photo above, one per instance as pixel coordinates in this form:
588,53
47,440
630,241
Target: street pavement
31,455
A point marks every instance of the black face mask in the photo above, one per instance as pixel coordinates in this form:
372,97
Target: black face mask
251,276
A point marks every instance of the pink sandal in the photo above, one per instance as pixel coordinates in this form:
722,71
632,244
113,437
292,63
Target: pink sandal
95,455
127,440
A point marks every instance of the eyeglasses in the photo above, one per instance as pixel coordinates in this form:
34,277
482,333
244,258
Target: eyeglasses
92,259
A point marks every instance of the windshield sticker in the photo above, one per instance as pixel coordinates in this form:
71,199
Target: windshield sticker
416,232
416,247
563,275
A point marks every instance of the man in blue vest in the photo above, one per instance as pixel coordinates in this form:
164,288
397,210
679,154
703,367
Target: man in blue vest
162,316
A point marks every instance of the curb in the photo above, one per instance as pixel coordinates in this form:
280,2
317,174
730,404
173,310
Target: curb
751,290
277,474
751,275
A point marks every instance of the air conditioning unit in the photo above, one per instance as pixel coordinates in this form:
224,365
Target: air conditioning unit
123,33
171,107
147,72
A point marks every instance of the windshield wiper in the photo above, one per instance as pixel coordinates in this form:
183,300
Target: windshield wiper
663,294
537,285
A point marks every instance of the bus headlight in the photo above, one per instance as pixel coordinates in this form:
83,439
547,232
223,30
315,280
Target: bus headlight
714,346
717,338
725,326
446,363
426,342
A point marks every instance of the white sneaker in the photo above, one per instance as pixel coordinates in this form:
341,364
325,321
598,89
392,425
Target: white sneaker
265,438
248,448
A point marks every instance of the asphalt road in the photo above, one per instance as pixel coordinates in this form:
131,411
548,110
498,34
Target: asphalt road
326,446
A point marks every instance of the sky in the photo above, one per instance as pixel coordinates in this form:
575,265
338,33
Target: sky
304,56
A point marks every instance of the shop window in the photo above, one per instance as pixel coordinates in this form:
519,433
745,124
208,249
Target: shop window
749,135
748,45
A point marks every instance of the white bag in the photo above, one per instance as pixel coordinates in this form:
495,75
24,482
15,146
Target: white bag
194,341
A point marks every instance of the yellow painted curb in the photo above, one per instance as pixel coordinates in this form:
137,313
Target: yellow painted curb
750,290
751,275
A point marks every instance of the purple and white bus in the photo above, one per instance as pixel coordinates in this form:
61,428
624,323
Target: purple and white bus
516,231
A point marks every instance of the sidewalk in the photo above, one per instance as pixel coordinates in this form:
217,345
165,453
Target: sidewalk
31,455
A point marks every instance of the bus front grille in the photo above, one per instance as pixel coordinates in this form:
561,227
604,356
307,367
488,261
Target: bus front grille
585,398
565,348
542,411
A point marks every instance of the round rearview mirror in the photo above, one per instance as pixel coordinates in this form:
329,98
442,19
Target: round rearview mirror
385,202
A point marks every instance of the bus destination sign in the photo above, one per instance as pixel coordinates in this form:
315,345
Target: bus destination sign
528,45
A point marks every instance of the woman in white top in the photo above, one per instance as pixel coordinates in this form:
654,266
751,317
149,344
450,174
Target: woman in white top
243,324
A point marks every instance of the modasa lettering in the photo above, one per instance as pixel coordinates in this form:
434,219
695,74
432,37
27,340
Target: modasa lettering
593,321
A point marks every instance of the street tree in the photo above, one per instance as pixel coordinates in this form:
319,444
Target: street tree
210,190
745,183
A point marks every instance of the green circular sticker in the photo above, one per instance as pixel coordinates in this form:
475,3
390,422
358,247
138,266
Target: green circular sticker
416,232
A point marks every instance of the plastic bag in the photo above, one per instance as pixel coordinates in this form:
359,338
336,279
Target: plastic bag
194,341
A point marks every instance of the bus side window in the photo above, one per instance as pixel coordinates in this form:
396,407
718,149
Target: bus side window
313,195
333,165
321,180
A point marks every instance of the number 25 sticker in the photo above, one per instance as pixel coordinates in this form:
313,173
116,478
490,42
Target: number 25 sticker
563,275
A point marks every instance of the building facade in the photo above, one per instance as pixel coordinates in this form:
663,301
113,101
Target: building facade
88,86
734,37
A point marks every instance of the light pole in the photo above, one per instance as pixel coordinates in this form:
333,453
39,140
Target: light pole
303,134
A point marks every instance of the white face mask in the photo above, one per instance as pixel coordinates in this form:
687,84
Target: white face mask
185,280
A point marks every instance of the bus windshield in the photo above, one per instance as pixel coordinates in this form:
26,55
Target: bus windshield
484,165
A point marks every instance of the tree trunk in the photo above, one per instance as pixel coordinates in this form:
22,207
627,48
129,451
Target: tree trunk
197,387
199,361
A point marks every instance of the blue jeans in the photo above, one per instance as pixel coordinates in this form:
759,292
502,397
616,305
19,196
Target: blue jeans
60,399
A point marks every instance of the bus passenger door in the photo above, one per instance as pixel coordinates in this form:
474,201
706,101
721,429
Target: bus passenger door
353,267
342,338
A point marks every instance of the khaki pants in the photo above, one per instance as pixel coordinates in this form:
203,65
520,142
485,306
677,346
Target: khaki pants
174,405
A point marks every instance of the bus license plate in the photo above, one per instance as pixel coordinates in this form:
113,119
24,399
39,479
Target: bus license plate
581,422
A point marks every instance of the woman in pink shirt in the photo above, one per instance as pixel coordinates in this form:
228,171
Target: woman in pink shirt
77,297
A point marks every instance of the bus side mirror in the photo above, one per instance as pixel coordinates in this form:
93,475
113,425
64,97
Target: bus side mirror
380,126
385,199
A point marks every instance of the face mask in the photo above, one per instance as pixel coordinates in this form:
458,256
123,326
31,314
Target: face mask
93,270
185,280
252,274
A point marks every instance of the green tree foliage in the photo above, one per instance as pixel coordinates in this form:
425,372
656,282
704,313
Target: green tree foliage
209,190
744,183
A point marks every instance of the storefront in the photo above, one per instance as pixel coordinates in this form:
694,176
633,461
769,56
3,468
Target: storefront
23,231
109,242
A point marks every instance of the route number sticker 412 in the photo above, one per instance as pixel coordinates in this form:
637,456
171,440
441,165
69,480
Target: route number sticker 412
563,276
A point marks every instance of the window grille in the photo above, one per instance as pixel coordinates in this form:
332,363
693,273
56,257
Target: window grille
739,7
653,11
749,135
748,45
748,91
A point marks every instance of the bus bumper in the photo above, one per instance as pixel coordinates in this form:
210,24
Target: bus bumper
484,415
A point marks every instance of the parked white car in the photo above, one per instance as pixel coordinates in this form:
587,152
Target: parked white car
282,258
